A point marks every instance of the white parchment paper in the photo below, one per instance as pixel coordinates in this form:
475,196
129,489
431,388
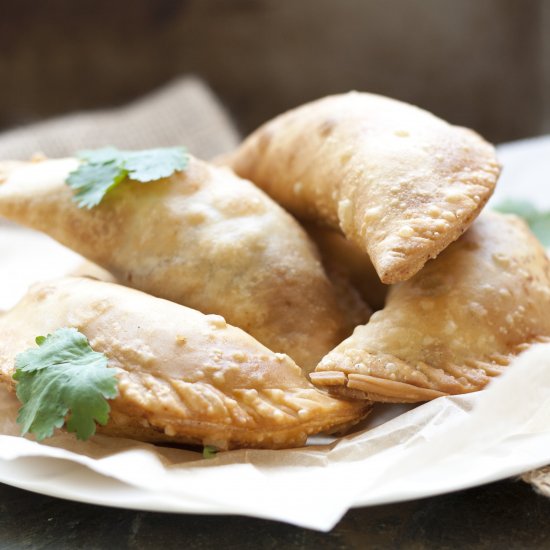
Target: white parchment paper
447,444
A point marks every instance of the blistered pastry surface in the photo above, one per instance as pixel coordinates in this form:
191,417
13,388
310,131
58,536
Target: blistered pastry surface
398,181
456,324
203,238
183,376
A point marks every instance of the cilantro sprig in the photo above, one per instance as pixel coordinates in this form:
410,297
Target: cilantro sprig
209,451
102,170
538,221
63,379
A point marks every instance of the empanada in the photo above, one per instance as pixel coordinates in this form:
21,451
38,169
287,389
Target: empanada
203,238
453,326
399,182
183,376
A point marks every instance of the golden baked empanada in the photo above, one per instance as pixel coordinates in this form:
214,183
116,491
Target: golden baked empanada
399,182
454,325
182,376
203,238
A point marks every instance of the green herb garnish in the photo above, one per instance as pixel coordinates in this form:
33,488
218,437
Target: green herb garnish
538,221
209,451
103,169
63,376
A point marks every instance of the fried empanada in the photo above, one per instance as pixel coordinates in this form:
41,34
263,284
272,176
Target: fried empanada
399,182
203,238
182,376
453,326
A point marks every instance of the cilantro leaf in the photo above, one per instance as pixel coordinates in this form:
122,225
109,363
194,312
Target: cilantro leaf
540,226
155,164
209,452
93,181
539,222
522,208
63,375
103,169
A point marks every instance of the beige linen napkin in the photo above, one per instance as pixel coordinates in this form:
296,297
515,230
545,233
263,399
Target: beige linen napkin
183,112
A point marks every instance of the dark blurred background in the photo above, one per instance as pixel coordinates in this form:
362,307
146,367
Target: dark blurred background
479,63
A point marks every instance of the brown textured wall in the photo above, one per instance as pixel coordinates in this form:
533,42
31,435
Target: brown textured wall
545,63
480,63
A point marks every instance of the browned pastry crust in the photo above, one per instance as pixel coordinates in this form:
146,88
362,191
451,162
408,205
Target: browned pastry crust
453,326
399,182
203,238
183,376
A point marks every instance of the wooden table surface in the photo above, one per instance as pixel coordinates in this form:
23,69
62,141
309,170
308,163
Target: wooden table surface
507,514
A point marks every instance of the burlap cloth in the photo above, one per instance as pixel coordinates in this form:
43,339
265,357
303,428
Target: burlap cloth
183,112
